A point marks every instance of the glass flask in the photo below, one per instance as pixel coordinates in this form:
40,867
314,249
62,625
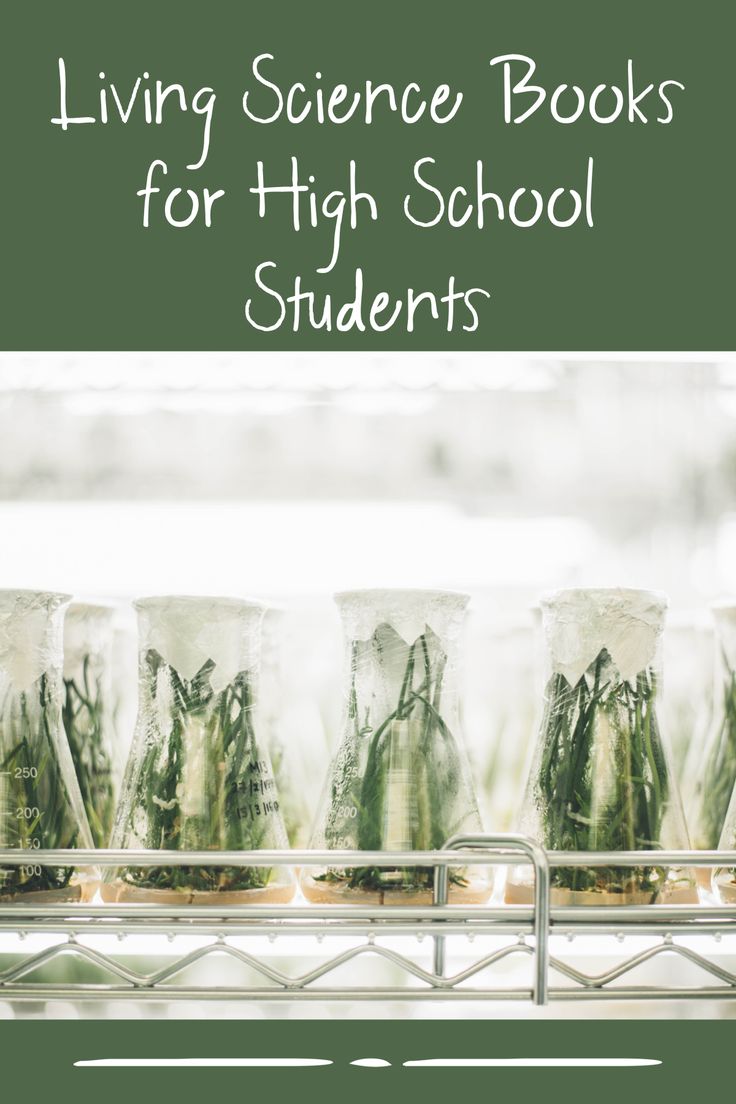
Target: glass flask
198,775
601,778
716,775
88,711
400,780
40,803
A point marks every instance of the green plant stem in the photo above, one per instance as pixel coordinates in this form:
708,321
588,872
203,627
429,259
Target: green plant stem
84,722
231,812
602,783
35,808
433,771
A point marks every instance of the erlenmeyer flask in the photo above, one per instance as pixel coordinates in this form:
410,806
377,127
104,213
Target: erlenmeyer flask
40,803
717,774
601,778
400,779
198,775
88,711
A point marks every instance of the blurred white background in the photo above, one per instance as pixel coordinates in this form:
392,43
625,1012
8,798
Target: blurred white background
293,474
289,476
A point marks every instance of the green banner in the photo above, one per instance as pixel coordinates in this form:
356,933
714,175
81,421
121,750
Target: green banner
517,175
682,1057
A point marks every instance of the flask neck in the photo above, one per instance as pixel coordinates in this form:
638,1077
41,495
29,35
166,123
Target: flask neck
31,640
202,640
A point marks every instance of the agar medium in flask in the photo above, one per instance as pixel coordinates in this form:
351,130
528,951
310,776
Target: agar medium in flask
88,711
601,777
41,806
199,777
400,780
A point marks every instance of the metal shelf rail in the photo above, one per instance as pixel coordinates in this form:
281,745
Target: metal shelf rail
493,933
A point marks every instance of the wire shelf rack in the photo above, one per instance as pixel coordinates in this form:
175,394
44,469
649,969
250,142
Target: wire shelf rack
441,951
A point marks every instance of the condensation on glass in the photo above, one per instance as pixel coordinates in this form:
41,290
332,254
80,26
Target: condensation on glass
601,777
199,775
400,780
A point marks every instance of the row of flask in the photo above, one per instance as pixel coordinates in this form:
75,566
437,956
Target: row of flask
199,775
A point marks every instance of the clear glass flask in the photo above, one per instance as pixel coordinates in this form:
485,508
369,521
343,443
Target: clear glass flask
716,775
88,711
40,802
601,777
199,776
400,779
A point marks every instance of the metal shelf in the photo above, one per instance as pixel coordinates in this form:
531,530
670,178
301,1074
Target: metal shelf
449,952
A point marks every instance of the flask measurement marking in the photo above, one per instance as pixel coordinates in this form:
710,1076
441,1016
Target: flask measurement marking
24,772
27,812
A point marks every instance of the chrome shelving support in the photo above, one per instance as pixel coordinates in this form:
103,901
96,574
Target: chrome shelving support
511,846
74,922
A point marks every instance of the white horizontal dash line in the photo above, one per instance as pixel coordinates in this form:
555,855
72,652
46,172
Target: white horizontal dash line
204,1062
536,1062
